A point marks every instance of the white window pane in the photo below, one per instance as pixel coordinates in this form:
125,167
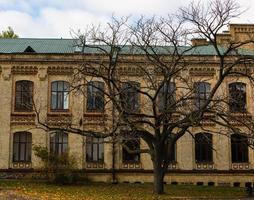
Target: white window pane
66,100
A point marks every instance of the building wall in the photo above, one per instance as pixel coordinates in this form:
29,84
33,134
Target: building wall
44,69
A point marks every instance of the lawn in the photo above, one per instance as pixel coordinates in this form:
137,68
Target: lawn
103,191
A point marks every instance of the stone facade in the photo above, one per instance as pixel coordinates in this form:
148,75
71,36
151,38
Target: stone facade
43,69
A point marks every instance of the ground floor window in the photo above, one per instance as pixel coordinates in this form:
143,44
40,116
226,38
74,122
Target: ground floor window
58,143
22,147
94,149
203,147
239,148
130,144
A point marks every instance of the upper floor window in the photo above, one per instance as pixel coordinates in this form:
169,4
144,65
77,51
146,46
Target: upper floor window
131,144
60,95
130,96
58,143
202,91
237,97
24,96
22,143
94,149
203,147
166,97
95,96
239,148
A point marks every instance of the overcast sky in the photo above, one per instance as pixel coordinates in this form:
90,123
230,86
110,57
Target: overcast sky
55,18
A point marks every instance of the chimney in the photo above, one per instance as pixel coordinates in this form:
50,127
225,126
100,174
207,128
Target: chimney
199,42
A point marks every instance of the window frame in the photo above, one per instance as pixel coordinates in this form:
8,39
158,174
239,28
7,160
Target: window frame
60,96
93,143
20,92
93,88
170,99
131,98
203,148
129,138
234,100
237,149
58,139
201,96
18,145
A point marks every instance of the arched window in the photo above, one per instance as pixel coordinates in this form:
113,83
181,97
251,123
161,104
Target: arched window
22,147
23,96
237,97
58,143
60,95
166,97
202,91
95,96
130,96
203,147
239,148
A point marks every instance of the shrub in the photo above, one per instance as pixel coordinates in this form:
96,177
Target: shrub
60,169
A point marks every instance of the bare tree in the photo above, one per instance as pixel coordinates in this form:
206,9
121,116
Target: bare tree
148,93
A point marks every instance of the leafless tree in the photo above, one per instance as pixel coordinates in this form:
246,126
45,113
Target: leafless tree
148,88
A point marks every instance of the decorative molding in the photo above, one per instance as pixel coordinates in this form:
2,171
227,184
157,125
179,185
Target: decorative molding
21,165
204,166
22,119
95,118
173,165
202,71
130,71
26,70
240,166
60,70
59,119
42,75
6,73
236,119
132,165
95,165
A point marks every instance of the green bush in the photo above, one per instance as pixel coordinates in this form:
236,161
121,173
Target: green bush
60,169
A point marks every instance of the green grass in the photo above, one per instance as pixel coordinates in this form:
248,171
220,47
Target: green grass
105,191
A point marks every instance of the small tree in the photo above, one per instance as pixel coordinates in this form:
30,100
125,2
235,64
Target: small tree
9,33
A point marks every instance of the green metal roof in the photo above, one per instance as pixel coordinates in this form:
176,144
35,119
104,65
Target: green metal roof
69,46
19,45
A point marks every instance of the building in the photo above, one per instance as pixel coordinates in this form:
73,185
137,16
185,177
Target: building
43,68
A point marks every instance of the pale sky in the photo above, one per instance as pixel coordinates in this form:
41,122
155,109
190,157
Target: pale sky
55,18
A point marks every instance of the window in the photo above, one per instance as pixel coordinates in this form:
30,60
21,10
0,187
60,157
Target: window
130,96
24,96
203,147
202,91
95,96
60,95
131,142
59,143
171,152
239,148
166,97
94,149
237,97
22,147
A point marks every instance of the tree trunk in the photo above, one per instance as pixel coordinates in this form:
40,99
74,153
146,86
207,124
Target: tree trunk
158,186
158,173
